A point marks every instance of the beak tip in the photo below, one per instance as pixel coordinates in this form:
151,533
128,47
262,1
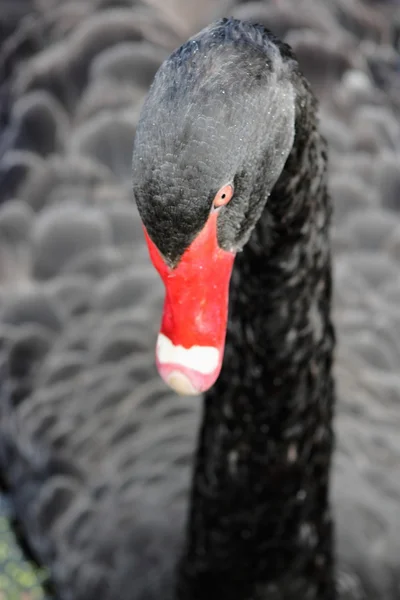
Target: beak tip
181,384
188,371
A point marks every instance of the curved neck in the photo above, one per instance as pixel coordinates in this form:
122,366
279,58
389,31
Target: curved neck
259,524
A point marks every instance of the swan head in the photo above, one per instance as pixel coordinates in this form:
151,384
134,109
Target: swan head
213,137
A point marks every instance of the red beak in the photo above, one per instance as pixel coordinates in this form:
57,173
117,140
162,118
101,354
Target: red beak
191,341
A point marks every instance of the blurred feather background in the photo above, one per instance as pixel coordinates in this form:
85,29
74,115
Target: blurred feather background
73,264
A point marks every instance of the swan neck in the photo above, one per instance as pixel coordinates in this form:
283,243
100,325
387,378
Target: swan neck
260,518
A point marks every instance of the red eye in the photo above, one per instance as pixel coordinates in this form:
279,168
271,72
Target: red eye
223,196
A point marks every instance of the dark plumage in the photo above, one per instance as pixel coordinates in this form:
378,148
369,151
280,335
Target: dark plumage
217,92
260,518
96,451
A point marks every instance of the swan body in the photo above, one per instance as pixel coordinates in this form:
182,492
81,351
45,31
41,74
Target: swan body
95,449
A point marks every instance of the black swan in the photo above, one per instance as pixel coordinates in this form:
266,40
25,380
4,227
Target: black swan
95,451
228,143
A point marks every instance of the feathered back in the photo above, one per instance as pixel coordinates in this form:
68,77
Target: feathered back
95,451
